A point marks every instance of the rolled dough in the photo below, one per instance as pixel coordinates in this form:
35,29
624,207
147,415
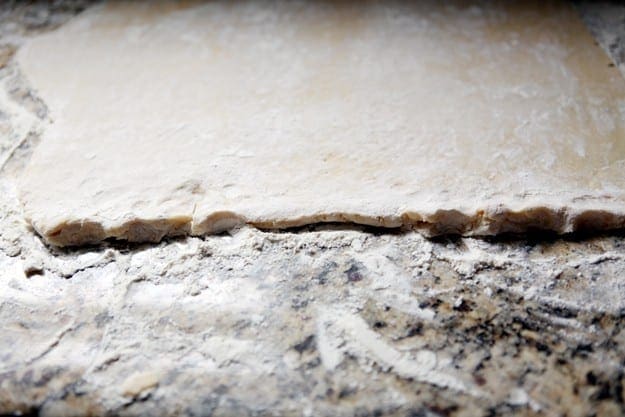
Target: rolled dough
171,119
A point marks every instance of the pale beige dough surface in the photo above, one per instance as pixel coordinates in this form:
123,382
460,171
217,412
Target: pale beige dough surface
470,119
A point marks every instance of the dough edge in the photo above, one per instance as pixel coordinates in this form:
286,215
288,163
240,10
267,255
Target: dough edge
591,215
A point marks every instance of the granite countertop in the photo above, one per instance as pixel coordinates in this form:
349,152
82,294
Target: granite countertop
322,320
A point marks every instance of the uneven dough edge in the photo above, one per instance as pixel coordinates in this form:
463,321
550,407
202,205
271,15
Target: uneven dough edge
486,222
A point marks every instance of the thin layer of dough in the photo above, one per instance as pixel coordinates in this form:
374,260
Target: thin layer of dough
171,119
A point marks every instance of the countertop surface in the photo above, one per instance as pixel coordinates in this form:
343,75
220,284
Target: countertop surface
322,320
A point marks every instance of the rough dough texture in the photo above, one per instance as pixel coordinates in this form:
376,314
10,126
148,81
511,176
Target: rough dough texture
447,118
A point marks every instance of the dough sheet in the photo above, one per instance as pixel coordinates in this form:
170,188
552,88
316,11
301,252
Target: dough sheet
446,117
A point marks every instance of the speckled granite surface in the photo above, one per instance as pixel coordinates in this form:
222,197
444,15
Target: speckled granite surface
326,320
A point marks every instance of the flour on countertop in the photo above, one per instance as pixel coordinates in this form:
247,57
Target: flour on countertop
324,320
